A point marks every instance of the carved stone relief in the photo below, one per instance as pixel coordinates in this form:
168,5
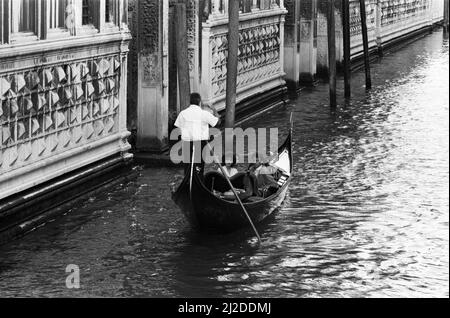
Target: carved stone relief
259,56
48,110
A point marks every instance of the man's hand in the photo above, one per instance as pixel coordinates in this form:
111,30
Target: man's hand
212,110
215,112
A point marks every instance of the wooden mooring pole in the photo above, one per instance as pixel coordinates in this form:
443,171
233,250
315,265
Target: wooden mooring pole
365,36
347,52
184,86
446,16
232,73
232,62
332,52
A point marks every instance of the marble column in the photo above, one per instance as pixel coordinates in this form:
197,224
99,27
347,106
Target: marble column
193,32
292,44
322,37
300,42
308,41
322,40
150,34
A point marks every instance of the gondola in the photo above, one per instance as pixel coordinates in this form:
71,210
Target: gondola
206,211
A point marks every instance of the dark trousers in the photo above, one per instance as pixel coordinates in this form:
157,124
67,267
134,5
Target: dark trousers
194,150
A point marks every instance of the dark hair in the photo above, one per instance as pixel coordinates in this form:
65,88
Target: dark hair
196,99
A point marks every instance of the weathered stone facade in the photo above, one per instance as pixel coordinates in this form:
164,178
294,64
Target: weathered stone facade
62,89
154,59
148,90
261,51
388,21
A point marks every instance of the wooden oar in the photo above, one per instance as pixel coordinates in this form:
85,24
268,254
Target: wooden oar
192,170
236,195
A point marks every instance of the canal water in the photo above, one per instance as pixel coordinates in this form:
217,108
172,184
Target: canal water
367,214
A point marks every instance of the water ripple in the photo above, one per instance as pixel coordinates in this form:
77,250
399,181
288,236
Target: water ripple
366,215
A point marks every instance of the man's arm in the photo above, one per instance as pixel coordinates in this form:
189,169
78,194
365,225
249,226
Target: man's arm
216,116
215,112
180,121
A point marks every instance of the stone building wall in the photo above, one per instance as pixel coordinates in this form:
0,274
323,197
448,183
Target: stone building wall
153,90
261,50
148,72
387,21
62,93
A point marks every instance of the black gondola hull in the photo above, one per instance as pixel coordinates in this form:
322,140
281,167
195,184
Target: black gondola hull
205,211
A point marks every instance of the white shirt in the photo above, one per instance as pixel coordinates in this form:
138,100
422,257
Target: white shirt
194,123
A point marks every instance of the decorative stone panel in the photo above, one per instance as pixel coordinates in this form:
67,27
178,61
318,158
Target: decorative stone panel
61,110
49,110
389,19
355,24
260,55
400,17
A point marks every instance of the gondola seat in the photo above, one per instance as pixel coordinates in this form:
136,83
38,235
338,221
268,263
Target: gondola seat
216,181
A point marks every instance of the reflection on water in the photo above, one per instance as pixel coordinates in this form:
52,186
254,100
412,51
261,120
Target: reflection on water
366,215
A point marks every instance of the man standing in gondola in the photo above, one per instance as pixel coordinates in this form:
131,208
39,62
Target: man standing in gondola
194,123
